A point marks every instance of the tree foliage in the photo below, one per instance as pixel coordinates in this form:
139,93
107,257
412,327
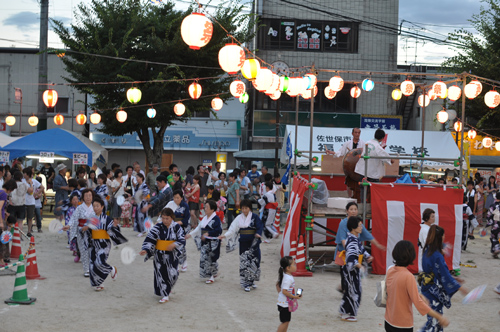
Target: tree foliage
139,30
481,57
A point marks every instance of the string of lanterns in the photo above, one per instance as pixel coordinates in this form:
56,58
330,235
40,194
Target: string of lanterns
487,141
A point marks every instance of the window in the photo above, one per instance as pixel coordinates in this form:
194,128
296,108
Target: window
315,36
62,106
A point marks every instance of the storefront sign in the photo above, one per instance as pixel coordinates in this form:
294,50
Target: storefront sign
4,157
80,158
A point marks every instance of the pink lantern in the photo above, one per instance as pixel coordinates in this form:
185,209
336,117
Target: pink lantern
196,30
231,58
237,88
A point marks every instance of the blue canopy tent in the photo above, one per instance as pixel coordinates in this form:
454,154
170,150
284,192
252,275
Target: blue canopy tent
59,141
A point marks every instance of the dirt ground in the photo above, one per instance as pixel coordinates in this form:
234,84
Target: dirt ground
66,302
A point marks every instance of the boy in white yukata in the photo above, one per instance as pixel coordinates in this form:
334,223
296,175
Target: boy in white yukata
268,205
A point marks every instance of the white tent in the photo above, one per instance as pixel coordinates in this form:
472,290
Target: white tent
6,139
437,144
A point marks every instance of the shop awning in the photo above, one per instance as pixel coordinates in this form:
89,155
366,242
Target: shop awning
437,144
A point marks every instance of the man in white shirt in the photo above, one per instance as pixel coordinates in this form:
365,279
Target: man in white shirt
355,143
428,217
376,168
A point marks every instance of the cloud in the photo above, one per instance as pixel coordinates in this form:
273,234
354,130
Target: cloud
23,20
443,12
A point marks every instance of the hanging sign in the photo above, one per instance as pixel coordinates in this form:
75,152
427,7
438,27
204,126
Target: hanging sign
80,158
4,157
46,154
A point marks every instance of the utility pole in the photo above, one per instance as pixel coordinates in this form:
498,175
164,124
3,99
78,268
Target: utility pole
42,64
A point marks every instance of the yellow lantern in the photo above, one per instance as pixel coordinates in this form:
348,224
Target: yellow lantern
237,88
472,134
337,83
58,119
487,142
195,90
231,58
81,119
440,89
121,116
497,146
179,109
355,92
492,99
10,121
407,88
196,30
244,98
473,89
442,116
50,98
458,126
134,95
423,98
217,103
95,118
274,85
250,69
276,95
264,79
454,93
329,92
33,120
397,94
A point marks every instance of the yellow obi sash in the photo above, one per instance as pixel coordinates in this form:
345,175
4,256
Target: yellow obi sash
248,231
342,256
162,244
100,234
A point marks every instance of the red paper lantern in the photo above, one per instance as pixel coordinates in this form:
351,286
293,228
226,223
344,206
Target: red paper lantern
195,90
58,119
196,30
81,119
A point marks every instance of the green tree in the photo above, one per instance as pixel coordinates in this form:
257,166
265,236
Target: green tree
138,30
480,55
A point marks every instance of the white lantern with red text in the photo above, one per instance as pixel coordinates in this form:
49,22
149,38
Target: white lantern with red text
497,146
196,30
472,134
458,126
274,85
423,99
237,88
337,83
487,142
355,92
454,93
329,92
95,117
492,99
407,88
264,80
179,109
231,58
195,90
217,103
440,89
276,95
307,93
432,95
473,89
442,116
121,116
294,87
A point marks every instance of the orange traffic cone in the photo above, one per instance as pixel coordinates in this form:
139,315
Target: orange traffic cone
277,221
293,249
301,261
15,251
31,265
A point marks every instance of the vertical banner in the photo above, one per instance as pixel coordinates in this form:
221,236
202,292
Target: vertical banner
397,215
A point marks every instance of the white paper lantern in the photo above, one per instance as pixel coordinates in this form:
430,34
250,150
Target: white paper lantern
329,92
237,88
407,87
337,83
454,93
440,89
121,116
231,58
179,109
355,92
264,79
487,142
276,95
458,126
196,30
497,146
492,99
217,103
294,86
274,85
432,95
195,90
473,89
421,99
472,134
442,116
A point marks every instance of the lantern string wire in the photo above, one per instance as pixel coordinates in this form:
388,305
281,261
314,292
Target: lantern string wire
478,131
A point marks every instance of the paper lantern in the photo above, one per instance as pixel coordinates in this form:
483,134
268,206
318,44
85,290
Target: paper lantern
237,88
284,82
397,94
423,98
442,116
452,114
151,112
309,80
454,93
472,134
33,120
95,118
294,87
337,83
250,69
134,95
407,88
487,142
195,90
307,93
81,119
217,103
497,146
50,98
58,119
329,92
473,89
196,30
276,95
274,86
244,98
121,116
432,95
264,79
179,109
355,92
367,84
492,99
458,126
10,121
231,58
440,89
